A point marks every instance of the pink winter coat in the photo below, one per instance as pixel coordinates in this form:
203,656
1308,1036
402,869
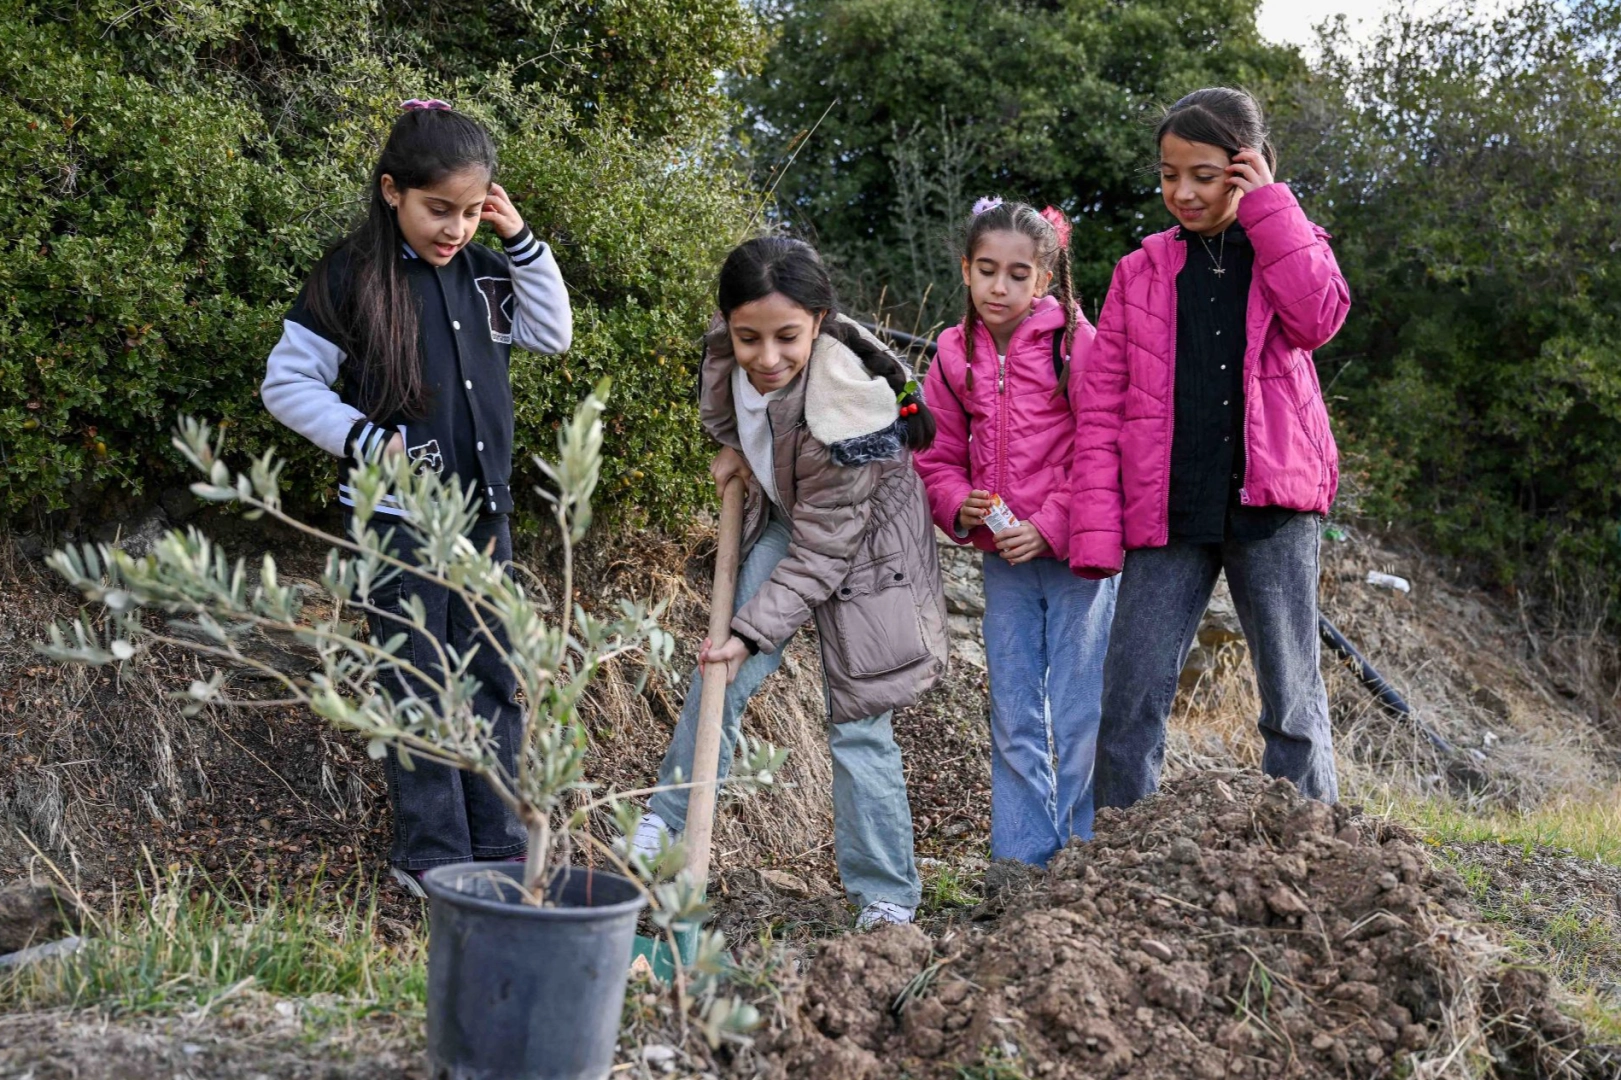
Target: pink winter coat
1126,409
1023,432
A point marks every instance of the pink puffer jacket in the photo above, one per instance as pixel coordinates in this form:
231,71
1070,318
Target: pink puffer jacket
1126,409
1023,431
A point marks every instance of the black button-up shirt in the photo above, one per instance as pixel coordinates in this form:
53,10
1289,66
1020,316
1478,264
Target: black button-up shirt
1207,444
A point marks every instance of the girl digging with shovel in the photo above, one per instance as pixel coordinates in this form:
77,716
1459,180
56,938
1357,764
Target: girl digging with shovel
820,420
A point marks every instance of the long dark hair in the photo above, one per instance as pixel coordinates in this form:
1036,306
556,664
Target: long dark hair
1052,253
1219,116
775,264
374,320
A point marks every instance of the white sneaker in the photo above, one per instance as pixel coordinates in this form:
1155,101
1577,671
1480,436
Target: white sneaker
652,836
410,881
880,912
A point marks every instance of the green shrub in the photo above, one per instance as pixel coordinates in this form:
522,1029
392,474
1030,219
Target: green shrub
1042,101
169,172
1467,170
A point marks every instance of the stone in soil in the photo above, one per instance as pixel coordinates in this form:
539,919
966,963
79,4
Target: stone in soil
32,913
1227,927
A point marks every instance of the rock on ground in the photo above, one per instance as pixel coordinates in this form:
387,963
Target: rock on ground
32,913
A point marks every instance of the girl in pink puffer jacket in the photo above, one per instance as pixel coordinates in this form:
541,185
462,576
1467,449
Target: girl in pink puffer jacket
1006,377
1202,444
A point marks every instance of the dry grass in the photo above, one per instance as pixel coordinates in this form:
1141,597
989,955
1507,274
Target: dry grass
631,728
1529,718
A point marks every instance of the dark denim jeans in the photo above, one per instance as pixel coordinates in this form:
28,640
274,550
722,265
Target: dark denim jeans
442,815
1163,594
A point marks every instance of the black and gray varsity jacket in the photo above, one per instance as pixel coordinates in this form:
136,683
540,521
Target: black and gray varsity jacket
473,310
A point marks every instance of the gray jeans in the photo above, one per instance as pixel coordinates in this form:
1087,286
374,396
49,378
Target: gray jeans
1163,594
872,823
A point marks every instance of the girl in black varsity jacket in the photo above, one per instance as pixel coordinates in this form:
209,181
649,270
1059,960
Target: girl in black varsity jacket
399,344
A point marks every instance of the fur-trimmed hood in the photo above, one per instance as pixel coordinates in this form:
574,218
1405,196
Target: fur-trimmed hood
862,561
852,412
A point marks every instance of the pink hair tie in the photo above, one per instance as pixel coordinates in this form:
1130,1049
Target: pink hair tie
426,103
1055,217
987,202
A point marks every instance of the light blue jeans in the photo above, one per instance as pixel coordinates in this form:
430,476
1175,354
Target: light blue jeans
1046,634
872,822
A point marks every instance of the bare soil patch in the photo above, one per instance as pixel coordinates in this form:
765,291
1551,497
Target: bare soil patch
251,1040
1224,928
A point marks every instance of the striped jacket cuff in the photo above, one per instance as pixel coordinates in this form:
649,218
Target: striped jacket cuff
524,248
367,440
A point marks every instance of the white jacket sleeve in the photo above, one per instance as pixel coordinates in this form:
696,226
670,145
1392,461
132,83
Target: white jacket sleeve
542,320
298,389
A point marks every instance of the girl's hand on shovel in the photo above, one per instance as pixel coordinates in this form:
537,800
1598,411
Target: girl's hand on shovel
727,464
732,654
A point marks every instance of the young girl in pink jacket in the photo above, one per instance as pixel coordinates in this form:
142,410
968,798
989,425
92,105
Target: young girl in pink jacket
1006,377
1202,444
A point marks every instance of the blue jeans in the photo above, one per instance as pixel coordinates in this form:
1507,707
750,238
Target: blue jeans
1163,594
443,815
1046,632
872,822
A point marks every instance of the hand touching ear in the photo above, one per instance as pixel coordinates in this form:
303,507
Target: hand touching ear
502,216
1249,171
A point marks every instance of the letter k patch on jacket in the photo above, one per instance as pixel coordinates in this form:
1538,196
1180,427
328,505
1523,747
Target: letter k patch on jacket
498,299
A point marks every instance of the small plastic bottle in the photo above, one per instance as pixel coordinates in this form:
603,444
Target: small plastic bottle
999,518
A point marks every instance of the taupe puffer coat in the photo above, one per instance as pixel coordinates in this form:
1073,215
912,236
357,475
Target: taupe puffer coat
862,557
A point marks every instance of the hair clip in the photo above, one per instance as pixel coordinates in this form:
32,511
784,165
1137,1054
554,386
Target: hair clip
910,390
987,202
1055,217
426,103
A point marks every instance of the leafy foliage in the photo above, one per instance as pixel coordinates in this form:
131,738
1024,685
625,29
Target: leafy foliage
189,594
929,103
170,171
212,604
1467,169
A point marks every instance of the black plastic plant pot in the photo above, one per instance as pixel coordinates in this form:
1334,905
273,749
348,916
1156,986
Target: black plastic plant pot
522,992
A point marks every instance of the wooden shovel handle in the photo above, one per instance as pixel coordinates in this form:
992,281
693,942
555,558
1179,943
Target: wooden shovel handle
712,704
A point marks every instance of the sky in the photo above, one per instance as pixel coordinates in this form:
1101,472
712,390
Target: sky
1291,21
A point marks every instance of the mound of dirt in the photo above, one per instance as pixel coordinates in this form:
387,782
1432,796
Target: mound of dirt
1224,928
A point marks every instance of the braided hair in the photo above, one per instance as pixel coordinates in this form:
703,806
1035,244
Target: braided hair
777,264
1048,230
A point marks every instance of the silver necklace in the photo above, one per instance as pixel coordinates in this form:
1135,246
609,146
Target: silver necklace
1218,269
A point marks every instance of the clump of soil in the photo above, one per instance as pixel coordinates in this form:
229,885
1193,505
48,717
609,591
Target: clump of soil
1226,927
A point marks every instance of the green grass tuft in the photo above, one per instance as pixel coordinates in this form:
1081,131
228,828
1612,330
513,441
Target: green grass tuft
1587,828
945,887
187,941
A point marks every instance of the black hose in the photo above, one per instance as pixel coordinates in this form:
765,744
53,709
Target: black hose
909,342
1376,684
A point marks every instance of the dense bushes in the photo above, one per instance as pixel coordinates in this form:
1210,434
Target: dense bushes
1468,172
931,103
168,172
